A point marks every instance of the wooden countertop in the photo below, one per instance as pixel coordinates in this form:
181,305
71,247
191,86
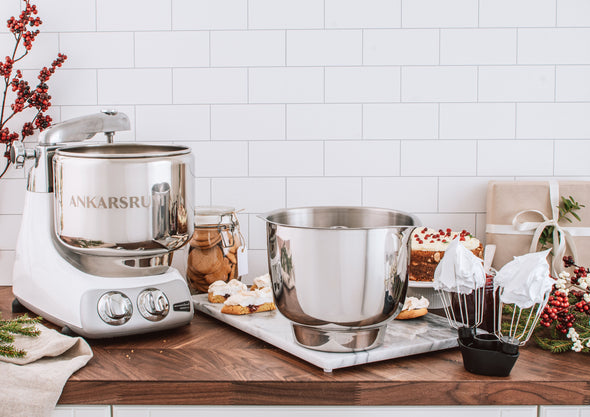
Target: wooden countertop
210,363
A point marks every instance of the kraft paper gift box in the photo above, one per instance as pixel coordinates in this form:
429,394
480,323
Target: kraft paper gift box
517,211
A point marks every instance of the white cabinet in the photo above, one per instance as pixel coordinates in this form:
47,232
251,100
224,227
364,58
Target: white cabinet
564,411
82,411
328,411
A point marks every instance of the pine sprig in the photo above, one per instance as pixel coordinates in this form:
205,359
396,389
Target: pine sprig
568,206
23,325
553,345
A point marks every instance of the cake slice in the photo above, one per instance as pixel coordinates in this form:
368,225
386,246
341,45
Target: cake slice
429,246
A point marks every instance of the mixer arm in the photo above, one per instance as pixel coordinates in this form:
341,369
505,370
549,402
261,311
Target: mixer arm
40,177
85,127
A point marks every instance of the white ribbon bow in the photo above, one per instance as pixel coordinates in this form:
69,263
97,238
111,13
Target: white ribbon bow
561,235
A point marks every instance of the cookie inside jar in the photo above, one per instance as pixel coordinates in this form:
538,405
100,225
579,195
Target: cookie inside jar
213,247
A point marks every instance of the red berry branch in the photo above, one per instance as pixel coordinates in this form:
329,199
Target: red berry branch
37,98
567,313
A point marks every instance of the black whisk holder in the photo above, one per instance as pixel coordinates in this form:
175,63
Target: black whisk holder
485,354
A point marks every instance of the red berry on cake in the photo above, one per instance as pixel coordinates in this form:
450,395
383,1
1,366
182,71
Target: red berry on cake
428,248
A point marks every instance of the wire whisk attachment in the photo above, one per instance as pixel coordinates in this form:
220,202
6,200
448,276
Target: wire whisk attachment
521,291
459,280
515,324
464,312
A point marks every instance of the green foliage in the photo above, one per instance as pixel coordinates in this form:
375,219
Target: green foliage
286,260
507,312
556,342
567,206
554,345
23,325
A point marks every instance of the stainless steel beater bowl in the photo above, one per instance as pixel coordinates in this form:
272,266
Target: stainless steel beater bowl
339,274
121,209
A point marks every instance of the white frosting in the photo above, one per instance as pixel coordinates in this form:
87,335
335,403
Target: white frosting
262,281
427,239
412,303
526,280
250,298
459,270
227,288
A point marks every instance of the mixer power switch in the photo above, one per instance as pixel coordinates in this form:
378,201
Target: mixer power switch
115,308
153,304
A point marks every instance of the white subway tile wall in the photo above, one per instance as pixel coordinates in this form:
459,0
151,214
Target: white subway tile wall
407,104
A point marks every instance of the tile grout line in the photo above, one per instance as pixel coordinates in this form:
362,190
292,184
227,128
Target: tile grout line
362,191
362,47
477,84
362,121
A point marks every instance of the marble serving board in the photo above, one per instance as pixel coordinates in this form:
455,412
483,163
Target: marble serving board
403,337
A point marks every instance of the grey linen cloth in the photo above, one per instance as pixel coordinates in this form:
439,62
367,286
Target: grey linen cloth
33,384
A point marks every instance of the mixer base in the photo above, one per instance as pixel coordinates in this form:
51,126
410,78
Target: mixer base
68,332
345,340
48,285
17,307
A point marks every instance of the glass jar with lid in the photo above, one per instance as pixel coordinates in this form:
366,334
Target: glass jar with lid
213,248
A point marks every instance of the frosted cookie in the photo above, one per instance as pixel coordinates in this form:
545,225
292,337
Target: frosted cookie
262,281
219,291
248,302
413,308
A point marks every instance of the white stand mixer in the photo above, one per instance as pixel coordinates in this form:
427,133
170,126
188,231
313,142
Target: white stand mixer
49,276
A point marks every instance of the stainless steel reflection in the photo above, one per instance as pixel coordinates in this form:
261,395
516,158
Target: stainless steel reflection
121,208
339,273
161,211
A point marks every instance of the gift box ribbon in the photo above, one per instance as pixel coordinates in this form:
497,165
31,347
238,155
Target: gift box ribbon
562,235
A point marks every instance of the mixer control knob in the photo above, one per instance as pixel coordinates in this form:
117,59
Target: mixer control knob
153,304
115,308
19,154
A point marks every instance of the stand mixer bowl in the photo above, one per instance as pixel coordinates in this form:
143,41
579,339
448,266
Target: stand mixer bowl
339,274
121,209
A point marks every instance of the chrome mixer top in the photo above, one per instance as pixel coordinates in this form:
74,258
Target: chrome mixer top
74,130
